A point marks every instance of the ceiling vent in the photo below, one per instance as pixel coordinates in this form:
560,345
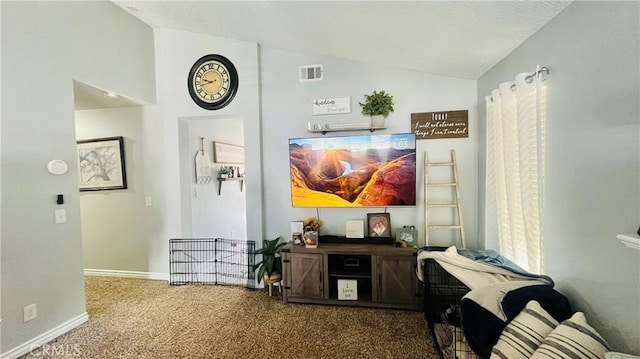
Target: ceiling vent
310,73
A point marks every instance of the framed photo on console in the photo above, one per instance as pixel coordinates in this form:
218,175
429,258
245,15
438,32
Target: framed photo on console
297,229
379,224
407,234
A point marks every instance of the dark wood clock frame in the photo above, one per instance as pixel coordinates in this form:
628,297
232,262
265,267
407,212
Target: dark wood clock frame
233,86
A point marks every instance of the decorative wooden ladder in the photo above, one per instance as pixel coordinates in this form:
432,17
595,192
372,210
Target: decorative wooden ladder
456,204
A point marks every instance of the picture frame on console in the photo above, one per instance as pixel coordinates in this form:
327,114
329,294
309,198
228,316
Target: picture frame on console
297,229
379,224
407,234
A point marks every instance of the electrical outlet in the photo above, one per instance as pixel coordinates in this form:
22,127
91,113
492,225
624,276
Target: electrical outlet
148,202
29,312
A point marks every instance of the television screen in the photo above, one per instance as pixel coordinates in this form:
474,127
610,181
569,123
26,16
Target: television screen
353,171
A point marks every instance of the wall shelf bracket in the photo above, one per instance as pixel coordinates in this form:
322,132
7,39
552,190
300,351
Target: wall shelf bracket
220,180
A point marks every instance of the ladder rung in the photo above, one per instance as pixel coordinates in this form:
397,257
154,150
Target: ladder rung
445,226
433,164
442,205
442,184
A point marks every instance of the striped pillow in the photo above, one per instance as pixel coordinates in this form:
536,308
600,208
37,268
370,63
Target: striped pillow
573,338
524,333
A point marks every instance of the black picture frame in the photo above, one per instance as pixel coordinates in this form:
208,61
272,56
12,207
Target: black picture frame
101,164
379,224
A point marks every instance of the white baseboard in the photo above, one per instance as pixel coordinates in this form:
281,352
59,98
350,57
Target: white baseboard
126,274
45,337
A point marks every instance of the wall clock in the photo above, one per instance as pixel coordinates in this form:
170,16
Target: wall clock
212,82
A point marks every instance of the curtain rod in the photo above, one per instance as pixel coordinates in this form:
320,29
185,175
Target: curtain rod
529,78
541,70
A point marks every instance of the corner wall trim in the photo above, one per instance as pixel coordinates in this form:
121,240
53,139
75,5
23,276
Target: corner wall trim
45,337
126,274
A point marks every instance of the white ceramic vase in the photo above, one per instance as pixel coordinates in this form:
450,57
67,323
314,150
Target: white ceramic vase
377,121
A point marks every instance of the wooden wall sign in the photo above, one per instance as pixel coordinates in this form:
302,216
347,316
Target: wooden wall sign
444,124
227,153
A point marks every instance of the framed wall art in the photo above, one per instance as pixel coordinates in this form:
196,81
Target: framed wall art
101,164
227,153
379,224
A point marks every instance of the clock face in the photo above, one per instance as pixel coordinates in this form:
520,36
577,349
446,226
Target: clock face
212,82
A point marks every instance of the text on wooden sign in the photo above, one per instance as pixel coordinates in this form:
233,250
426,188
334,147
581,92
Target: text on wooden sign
443,124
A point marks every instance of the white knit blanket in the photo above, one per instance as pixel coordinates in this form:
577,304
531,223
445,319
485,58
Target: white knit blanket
470,273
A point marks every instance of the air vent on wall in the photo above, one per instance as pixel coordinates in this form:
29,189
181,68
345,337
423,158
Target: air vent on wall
310,73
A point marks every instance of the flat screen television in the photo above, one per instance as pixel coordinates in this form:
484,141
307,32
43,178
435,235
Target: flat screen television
353,171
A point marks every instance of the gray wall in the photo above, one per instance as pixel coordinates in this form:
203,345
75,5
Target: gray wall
45,46
212,215
592,192
167,174
286,110
593,158
113,231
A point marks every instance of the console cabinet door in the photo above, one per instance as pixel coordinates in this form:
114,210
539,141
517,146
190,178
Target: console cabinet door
396,280
303,273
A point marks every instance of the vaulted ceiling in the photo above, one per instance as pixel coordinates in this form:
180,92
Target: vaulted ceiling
452,38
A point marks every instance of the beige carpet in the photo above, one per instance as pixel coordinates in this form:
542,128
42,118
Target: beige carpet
131,318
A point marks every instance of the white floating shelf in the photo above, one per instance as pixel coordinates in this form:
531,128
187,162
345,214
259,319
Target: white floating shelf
630,240
327,127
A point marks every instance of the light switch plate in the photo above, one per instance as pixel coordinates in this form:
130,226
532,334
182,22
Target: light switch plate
61,215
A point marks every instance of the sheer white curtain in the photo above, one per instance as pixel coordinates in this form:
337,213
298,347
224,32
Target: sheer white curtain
516,115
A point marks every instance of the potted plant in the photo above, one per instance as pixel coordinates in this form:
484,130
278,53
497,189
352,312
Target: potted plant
225,171
270,267
378,105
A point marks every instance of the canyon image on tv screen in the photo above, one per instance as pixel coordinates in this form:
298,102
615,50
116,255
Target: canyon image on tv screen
353,171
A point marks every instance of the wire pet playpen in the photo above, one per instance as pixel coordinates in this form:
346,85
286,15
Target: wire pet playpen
442,296
214,261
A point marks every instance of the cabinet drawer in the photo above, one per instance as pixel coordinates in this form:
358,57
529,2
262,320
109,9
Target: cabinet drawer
349,265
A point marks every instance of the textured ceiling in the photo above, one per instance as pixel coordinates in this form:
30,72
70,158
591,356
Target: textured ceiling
461,39
453,38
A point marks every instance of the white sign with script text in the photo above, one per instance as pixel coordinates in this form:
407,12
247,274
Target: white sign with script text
330,106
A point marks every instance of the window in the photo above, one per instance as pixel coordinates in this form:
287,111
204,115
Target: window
516,116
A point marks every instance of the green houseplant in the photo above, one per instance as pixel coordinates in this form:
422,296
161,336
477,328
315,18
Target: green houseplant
271,264
225,171
378,105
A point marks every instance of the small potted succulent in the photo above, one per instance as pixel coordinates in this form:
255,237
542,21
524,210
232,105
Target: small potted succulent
225,171
378,105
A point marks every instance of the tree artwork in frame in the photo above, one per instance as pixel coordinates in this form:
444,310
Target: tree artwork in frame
379,224
101,164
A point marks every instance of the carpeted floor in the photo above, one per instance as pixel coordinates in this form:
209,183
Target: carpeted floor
131,318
